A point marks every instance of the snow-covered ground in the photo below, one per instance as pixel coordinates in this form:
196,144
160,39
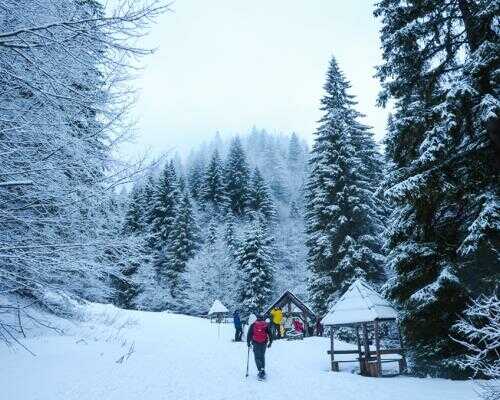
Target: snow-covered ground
130,355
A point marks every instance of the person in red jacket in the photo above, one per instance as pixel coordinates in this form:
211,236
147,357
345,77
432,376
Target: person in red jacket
259,337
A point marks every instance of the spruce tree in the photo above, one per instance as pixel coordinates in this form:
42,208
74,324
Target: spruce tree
295,151
255,260
196,178
342,218
213,184
260,199
165,202
441,69
134,214
183,242
237,179
147,200
163,214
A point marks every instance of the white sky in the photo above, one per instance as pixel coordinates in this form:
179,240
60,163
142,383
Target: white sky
226,65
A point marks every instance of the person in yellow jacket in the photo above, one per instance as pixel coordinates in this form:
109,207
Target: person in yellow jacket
277,319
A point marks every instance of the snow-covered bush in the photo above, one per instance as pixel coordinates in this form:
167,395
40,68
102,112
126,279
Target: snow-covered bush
480,334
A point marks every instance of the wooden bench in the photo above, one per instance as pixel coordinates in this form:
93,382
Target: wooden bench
371,364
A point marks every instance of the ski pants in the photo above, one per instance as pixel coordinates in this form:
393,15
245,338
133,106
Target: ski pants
238,334
259,353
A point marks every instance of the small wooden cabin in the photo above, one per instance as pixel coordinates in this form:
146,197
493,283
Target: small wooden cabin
293,307
363,309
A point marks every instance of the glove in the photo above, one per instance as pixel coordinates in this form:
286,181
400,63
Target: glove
269,345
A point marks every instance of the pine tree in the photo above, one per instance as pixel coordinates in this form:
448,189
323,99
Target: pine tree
260,199
213,184
147,200
165,202
255,260
295,151
196,179
134,213
441,69
343,225
237,179
183,242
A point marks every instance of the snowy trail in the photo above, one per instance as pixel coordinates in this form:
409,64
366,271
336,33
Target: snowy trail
179,357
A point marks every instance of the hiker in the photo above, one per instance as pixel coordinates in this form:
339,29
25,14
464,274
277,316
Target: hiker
277,319
298,326
238,326
319,327
259,337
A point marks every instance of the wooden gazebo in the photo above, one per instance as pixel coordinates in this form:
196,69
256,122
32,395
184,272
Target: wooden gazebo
218,312
293,307
363,309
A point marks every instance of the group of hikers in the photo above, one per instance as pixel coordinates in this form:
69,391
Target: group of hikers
262,330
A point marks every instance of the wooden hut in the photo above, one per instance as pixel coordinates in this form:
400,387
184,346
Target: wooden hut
293,307
363,309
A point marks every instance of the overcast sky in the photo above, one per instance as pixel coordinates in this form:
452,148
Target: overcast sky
226,65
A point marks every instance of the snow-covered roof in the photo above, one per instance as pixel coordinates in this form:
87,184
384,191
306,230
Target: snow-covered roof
360,303
217,307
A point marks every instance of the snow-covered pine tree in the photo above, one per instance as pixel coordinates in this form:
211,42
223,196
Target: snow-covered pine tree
212,272
162,215
342,218
254,257
237,179
135,212
162,212
196,178
182,243
259,199
441,68
213,184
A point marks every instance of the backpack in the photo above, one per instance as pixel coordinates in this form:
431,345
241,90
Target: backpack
259,332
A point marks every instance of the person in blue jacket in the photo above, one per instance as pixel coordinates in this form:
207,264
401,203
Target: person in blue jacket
238,326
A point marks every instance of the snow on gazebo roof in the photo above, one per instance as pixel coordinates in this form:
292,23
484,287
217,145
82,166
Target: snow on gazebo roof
217,308
360,303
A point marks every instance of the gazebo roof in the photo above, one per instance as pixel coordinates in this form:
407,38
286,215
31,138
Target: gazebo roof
287,297
360,303
217,308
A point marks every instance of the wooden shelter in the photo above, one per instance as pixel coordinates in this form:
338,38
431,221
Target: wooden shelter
293,307
218,311
363,309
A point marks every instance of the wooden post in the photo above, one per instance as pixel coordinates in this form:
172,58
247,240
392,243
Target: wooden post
402,363
377,348
306,325
366,358
360,355
332,348
365,341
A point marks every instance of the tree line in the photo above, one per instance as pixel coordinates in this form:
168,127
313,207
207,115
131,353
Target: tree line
216,228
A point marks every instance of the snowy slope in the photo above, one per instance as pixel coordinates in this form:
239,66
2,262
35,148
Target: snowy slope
179,357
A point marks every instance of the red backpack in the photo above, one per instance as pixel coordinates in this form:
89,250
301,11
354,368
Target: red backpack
259,331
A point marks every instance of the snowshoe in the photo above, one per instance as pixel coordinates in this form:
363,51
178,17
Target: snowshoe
262,375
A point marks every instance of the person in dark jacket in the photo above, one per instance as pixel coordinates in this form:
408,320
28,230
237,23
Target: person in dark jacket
238,326
259,337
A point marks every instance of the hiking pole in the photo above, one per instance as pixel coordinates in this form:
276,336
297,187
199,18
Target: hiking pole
248,357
